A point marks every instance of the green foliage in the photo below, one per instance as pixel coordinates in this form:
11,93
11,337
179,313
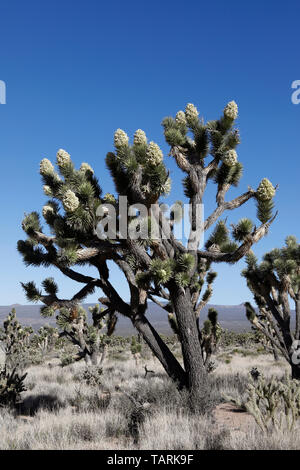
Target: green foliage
161,271
264,210
251,260
185,262
210,277
242,229
31,223
31,291
135,346
250,312
11,386
210,335
182,279
50,286
219,235
15,340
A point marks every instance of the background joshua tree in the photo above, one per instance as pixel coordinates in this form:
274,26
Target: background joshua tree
160,268
91,340
15,340
45,339
135,349
275,283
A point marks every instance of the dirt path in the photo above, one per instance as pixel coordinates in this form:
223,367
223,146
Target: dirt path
230,417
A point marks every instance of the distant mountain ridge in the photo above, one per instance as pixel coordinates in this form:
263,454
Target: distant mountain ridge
231,317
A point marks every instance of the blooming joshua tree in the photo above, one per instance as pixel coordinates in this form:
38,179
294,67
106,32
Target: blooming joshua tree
176,275
275,282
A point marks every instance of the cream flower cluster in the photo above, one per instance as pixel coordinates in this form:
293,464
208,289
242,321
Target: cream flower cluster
86,167
154,154
46,210
120,138
46,167
180,118
167,186
230,158
47,190
109,198
231,110
70,201
265,190
62,158
191,112
140,137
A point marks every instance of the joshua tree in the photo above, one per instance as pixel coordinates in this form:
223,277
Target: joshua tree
161,268
275,282
45,339
135,349
15,340
210,335
91,340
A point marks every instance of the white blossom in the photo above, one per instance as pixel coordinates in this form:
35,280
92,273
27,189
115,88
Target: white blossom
230,158
265,190
109,198
154,154
167,186
191,113
70,201
46,167
180,118
140,137
62,158
86,167
231,110
120,138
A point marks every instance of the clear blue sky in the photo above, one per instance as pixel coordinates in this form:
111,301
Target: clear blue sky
75,71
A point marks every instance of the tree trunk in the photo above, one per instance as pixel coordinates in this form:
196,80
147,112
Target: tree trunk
104,353
93,359
191,350
160,350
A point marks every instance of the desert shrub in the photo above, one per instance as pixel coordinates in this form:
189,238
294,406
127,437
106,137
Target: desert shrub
91,376
232,338
217,440
11,387
274,404
66,359
233,385
158,392
93,401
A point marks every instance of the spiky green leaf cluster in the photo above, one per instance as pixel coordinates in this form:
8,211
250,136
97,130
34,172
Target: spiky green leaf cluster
242,229
138,171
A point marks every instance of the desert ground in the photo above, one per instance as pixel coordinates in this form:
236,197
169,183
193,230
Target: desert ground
122,407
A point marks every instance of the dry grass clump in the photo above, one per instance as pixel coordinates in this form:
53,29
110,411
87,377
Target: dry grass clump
126,410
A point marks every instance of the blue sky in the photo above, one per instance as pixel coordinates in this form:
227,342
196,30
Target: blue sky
76,71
